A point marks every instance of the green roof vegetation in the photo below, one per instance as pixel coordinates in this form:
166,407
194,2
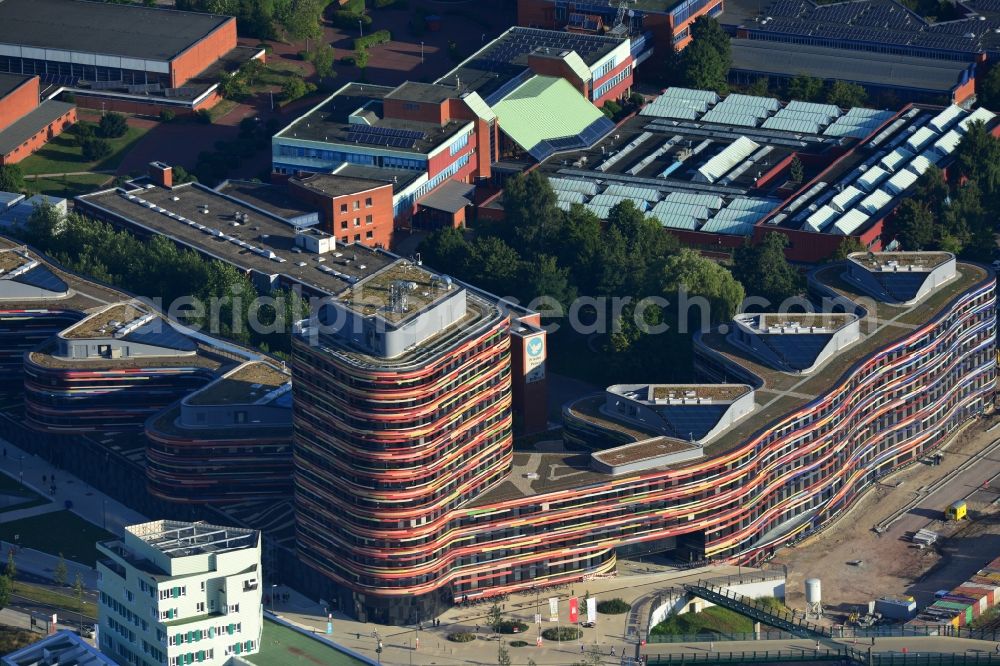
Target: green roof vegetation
281,645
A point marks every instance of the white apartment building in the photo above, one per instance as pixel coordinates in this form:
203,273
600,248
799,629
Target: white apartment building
174,593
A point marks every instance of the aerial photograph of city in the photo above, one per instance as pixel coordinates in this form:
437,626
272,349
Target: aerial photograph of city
499,332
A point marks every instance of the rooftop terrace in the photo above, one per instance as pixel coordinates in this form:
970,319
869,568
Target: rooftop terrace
408,286
107,323
246,385
181,539
780,393
889,261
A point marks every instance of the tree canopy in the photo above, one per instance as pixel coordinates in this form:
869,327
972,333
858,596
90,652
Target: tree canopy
11,178
765,267
707,59
845,94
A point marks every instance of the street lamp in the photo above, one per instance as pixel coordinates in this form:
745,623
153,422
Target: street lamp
20,472
360,28
273,588
421,53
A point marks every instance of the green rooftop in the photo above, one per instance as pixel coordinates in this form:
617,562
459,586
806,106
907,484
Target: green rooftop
544,107
281,645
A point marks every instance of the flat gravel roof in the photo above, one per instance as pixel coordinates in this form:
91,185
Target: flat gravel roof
130,31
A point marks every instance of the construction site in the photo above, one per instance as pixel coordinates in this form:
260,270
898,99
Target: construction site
914,537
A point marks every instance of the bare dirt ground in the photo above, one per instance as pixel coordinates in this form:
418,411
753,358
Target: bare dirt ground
890,565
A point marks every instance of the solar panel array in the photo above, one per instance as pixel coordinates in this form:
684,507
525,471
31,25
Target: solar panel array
391,137
876,22
518,42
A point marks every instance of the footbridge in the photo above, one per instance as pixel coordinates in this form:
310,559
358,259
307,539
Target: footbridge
790,621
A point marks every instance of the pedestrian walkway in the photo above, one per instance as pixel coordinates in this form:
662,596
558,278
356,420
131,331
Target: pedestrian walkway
87,502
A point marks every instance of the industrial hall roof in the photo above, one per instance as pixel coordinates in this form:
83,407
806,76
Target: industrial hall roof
129,31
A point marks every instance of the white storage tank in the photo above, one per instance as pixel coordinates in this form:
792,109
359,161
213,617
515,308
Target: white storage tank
813,593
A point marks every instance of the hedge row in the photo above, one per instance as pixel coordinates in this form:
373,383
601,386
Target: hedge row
377,37
346,20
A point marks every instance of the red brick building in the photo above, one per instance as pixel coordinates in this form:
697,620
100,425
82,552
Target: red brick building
121,56
669,21
25,124
354,210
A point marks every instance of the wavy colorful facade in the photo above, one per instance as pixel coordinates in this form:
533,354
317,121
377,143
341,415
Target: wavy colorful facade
385,446
815,442
228,442
73,400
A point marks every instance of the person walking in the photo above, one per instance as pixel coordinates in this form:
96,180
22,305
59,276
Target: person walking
612,650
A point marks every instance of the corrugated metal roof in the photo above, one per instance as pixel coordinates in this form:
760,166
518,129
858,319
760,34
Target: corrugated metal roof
900,181
688,210
544,107
979,115
921,138
811,107
588,187
730,156
946,118
872,177
479,106
947,144
732,227
792,125
612,200
849,222
875,202
713,201
919,165
676,220
822,217
895,160
645,193
846,198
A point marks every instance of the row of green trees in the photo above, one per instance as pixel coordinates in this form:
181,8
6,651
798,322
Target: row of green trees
157,268
540,250
296,20
956,214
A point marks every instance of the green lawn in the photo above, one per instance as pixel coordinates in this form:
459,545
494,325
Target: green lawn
281,645
70,186
44,595
57,532
62,155
14,496
712,620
